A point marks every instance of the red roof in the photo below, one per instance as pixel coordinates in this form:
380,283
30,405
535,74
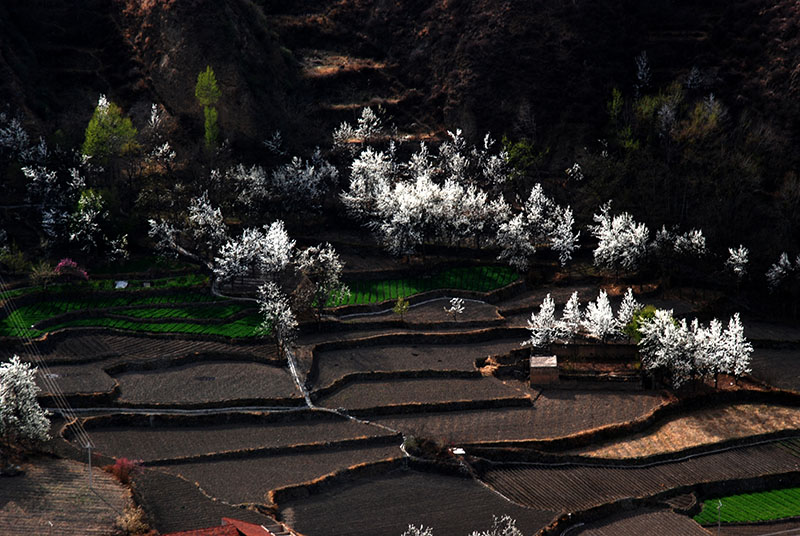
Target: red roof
229,527
223,530
247,529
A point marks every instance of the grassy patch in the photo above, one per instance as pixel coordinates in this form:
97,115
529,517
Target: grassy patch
242,327
473,278
751,507
21,321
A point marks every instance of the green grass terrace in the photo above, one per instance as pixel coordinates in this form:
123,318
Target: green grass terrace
769,505
473,278
189,307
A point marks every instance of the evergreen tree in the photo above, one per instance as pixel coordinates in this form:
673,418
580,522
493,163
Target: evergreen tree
207,93
109,133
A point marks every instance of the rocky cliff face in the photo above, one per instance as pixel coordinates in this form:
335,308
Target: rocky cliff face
57,57
305,65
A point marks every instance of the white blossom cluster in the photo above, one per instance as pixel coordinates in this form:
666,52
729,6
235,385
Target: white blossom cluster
16,142
279,321
737,262
540,221
670,244
265,251
420,201
299,185
782,270
323,268
689,350
622,242
368,127
21,416
445,199
274,143
456,307
206,223
501,526
575,172
70,212
598,319
13,136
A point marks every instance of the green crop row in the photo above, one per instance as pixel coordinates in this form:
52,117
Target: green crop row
21,320
752,507
242,327
474,278
194,312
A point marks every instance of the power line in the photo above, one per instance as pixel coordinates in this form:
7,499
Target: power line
47,377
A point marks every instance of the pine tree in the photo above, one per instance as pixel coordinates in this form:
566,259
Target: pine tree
207,93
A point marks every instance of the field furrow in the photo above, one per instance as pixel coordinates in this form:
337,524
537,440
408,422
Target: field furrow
385,505
594,485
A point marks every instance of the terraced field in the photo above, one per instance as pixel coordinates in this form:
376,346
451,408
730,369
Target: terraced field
386,505
650,521
186,437
704,427
337,467
477,279
249,479
752,507
367,394
334,365
578,487
553,414
197,384
53,497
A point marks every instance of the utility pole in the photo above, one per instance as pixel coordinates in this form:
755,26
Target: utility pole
719,507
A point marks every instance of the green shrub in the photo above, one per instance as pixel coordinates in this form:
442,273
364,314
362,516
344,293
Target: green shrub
640,317
14,259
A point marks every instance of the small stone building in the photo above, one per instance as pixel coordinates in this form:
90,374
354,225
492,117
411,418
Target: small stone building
544,369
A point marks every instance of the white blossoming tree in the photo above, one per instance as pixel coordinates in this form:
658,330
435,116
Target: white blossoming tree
782,271
22,419
622,242
456,307
540,221
598,319
278,321
737,262
671,250
264,252
570,317
544,327
368,127
322,266
712,356
445,199
663,346
301,185
738,351
687,350
627,309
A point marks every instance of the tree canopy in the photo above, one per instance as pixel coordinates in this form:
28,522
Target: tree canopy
109,133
